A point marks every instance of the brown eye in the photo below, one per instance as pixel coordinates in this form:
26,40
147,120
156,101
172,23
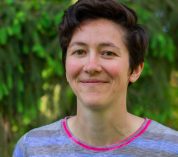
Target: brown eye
108,54
79,52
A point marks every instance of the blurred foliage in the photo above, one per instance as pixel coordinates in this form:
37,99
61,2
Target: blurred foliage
30,66
33,90
152,96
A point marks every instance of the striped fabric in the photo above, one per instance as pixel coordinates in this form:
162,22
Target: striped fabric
55,140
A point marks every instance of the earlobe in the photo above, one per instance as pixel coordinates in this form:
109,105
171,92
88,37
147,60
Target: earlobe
136,73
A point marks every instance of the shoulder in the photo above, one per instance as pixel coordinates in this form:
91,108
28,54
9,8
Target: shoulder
159,139
158,128
47,129
44,131
38,136
162,137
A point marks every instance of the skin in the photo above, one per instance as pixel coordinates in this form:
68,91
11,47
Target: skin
97,69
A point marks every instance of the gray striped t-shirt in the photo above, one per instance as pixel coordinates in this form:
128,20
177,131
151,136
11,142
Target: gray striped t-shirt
152,139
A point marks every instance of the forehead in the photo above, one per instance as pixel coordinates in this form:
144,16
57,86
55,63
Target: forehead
99,30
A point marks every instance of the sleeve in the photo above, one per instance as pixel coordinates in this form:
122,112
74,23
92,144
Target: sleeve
20,148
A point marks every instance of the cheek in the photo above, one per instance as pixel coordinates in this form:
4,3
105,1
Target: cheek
113,69
72,68
117,69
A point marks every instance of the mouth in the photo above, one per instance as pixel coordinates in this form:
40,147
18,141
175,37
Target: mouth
93,81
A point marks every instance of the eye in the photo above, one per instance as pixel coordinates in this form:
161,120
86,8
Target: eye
79,52
108,54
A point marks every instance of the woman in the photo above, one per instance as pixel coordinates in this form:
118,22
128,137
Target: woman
103,52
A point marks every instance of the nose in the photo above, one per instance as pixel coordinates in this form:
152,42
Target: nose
92,65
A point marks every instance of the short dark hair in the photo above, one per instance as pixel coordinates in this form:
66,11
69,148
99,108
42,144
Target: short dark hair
136,38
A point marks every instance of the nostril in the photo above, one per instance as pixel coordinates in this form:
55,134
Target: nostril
92,67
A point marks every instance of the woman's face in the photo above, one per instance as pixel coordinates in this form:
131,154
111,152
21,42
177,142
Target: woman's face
97,64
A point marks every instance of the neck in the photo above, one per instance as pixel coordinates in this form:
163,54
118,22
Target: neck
91,126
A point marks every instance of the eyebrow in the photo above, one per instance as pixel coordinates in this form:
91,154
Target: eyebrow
104,44
78,44
108,44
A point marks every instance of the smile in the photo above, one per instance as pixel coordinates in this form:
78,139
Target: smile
93,81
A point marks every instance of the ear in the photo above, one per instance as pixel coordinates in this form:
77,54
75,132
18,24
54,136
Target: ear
136,73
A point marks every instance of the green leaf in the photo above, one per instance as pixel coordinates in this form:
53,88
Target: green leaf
26,49
45,20
16,29
20,86
58,17
20,107
39,50
21,16
46,73
9,82
3,36
10,31
20,68
58,68
147,71
1,91
9,1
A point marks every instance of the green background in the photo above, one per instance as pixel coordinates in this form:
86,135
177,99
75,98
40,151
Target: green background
33,89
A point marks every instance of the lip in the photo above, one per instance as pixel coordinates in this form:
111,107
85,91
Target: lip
93,81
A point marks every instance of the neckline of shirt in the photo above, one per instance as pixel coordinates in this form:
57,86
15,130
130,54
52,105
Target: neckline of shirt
117,145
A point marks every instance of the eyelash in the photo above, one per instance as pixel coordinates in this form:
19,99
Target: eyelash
108,53
79,52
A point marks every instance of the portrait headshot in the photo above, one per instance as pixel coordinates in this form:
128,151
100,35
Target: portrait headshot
103,48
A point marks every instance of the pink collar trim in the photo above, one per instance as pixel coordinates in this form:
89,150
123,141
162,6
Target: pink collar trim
118,145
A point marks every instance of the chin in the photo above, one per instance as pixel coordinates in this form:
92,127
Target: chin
96,104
